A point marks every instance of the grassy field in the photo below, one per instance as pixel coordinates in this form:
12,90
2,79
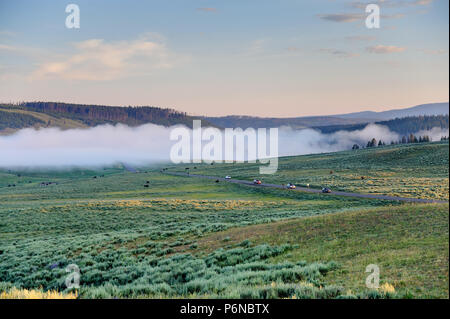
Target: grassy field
194,238
412,170
408,243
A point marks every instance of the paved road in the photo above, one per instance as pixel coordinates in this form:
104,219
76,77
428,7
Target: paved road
312,190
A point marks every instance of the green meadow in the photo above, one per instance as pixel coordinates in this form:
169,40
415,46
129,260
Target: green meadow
410,170
185,237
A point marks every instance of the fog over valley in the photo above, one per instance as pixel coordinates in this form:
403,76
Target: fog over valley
149,144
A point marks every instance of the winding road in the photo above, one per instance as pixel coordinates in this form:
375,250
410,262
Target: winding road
312,190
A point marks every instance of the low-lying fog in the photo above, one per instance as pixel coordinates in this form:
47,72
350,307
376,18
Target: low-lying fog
106,145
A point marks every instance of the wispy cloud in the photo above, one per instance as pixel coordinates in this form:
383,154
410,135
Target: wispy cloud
207,9
341,17
256,47
361,38
339,53
99,60
4,47
353,17
7,33
18,50
384,49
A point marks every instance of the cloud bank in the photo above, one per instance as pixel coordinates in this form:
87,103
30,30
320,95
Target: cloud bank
99,60
149,144
383,49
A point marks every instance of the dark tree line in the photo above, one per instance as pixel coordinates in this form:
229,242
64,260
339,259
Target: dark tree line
411,138
401,126
100,114
416,123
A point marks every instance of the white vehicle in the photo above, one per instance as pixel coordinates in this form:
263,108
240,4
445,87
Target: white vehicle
227,177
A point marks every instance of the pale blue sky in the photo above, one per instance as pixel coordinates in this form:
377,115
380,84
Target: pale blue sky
216,57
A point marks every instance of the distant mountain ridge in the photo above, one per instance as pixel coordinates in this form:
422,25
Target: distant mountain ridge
339,119
294,122
423,109
67,115
402,126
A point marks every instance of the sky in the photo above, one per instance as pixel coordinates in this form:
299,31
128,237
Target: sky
280,58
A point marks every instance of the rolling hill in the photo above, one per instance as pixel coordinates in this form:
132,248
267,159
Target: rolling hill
418,170
403,126
67,116
294,122
423,109
332,120
185,237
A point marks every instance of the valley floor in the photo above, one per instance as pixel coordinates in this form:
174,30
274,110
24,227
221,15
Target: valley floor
195,238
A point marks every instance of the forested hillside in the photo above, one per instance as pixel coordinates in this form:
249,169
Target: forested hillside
99,114
294,122
17,120
65,116
402,126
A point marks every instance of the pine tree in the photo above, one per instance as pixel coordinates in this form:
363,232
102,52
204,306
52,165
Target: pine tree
373,143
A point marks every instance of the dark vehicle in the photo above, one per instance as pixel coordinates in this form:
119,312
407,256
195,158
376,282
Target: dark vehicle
326,190
290,186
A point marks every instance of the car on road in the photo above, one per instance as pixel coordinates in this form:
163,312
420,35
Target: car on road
256,182
290,186
227,177
326,190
